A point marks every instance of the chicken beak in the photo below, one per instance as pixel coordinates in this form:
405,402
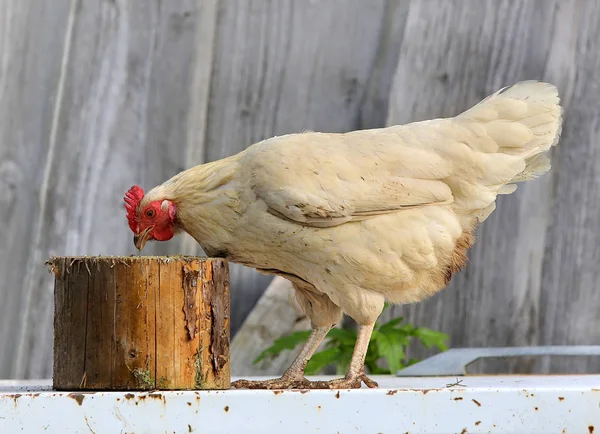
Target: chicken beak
140,239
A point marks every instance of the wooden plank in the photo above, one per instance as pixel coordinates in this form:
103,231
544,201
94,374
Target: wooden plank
193,305
32,36
514,292
134,329
71,308
286,66
220,335
570,300
100,345
169,274
121,120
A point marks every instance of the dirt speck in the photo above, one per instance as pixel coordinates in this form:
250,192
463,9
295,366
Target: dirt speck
458,398
464,431
226,408
536,408
478,423
476,402
129,396
190,428
561,398
277,392
189,403
591,429
392,392
337,395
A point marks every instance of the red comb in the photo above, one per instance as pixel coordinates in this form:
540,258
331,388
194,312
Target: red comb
132,198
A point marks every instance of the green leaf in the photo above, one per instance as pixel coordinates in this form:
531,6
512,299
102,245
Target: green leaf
398,336
431,338
287,342
391,324
391,350
343,336
321,360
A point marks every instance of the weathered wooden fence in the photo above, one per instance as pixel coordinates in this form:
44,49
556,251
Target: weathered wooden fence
98,95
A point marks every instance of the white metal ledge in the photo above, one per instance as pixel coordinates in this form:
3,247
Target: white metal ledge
479,404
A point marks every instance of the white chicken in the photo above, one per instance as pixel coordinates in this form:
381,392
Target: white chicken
355,219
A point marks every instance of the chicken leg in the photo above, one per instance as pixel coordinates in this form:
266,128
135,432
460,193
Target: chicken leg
293,377
355,375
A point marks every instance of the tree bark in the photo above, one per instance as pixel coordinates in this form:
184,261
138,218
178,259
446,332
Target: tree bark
140,323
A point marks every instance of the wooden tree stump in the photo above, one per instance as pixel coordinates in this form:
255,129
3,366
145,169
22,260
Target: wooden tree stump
139,323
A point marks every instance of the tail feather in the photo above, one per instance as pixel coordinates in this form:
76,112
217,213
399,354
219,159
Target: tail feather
524,119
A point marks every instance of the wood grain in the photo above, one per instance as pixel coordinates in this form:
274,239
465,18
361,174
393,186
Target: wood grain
524,284
32,36
70,323
287,66
121,323
97,96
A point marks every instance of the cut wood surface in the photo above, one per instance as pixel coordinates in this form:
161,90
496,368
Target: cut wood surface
137,323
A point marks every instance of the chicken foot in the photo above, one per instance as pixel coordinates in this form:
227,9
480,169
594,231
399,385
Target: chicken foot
355,375
293,377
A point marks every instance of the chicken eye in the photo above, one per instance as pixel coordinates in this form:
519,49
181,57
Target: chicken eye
150,213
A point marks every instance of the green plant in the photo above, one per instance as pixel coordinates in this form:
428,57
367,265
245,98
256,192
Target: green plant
388,342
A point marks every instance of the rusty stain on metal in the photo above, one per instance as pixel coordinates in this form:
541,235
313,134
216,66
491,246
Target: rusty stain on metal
14,397
476,402
591,429
79,397
536,408
277,392
390,392
337,395
129,396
